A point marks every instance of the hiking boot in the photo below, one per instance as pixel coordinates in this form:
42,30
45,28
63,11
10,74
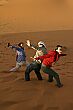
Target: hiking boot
59,85
27,79
40,79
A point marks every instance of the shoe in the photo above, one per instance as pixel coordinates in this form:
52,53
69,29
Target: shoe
27,79
59,85
40,79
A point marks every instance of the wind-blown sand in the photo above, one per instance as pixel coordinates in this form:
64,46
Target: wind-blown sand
17,94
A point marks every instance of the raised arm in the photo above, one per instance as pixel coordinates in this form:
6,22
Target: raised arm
28,43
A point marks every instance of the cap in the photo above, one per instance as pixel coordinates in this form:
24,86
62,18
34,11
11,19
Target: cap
41,43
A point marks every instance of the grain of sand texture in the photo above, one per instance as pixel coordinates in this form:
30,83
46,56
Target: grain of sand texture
17,94
52,22
35,15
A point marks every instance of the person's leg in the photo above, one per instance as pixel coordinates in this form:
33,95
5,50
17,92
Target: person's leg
36,68
27,63
33,66
29,68
56,76
50,79
38,74
52,73
15,68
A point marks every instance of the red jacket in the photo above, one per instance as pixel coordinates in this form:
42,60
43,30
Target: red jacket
49,58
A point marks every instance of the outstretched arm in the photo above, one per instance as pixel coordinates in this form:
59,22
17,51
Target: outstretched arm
62,54
28,43
12,46
43,57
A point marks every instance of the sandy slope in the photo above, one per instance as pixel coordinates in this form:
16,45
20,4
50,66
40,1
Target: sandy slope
35,15
17,94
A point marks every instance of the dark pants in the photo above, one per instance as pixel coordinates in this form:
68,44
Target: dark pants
33,66
52,74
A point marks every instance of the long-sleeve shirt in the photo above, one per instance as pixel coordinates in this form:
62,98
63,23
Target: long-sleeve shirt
49,58
40,51
20,54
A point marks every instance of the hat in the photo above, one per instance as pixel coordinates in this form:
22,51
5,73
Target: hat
41,43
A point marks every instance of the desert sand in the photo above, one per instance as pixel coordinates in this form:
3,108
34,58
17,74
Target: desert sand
35,15
52,22
17,94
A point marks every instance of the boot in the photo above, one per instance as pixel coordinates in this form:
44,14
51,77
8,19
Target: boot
50,78
59,85
26,76
58,82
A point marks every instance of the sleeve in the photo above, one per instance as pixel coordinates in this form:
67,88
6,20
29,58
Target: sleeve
12,46
62,54
33,47
43,57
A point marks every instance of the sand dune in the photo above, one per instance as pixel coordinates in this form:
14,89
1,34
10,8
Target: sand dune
31,19
38,15
17,94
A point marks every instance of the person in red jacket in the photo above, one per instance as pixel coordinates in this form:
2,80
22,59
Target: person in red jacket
48,60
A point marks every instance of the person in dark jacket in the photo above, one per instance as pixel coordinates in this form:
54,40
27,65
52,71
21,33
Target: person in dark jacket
48,60
20,56
35,65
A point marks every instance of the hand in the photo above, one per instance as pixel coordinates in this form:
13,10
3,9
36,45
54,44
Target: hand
28,43
32,58
8,44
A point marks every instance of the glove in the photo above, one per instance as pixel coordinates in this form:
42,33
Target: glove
28,43
8,44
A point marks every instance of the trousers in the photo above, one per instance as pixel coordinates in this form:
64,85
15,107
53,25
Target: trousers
33,66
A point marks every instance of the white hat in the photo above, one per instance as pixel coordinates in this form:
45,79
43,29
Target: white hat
41,43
